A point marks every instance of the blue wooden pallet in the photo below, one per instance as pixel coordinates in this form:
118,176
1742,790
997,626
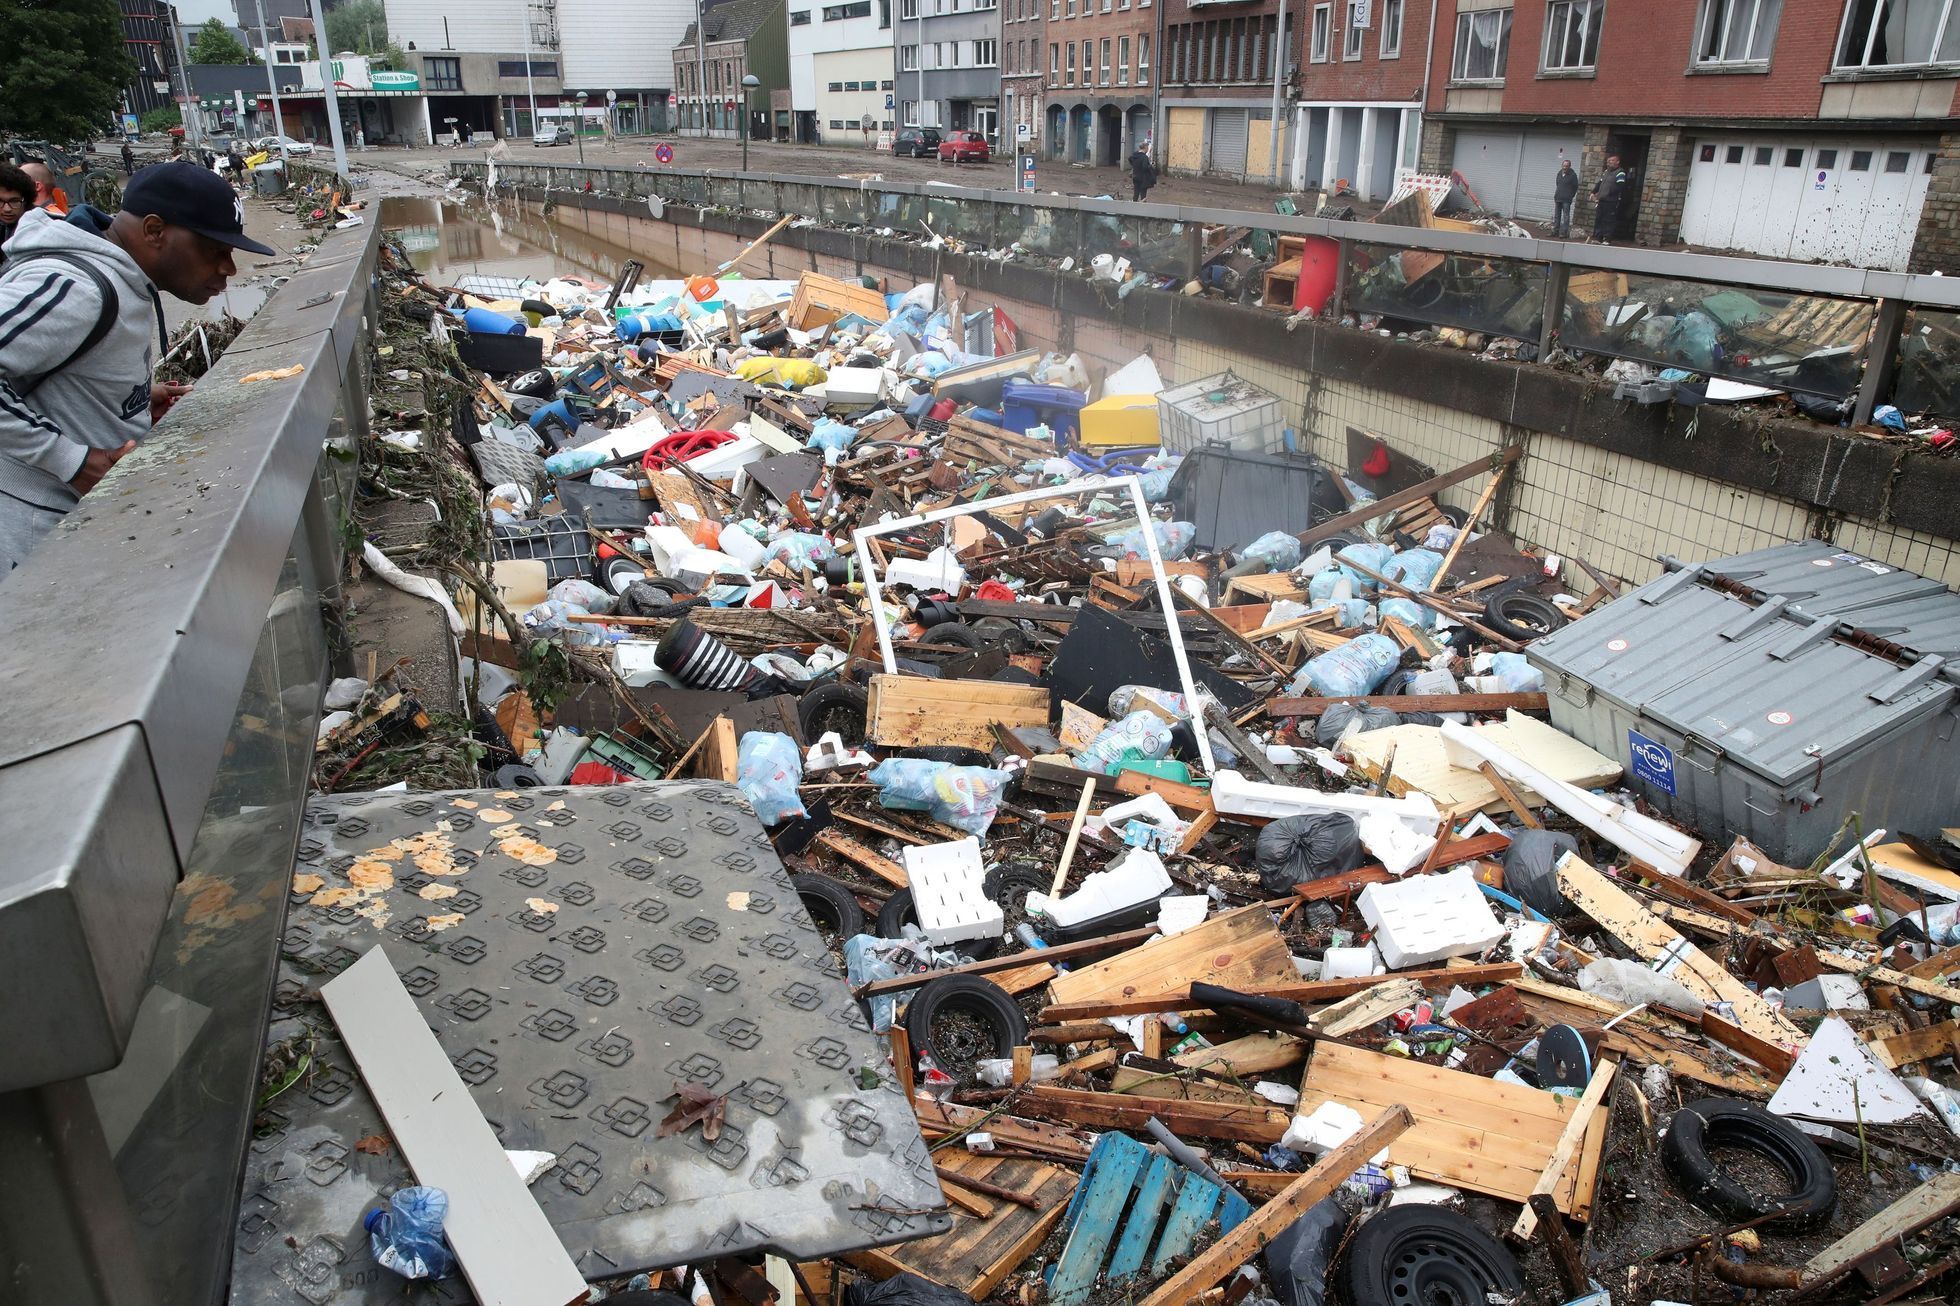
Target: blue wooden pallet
1151,1208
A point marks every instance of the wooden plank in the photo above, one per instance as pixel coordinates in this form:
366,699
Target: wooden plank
1416,703
882,827
1777,1060
1183,797
1307,993
1240,949
976,1256
1189,1118
1651,939
1254,1054
1568,1146
509,1252
1525,815
1196,1199
1152,1195
1093,1215
1871,974
1137,1081
919,711
834,840
1037,1136
1253,1233
1895,1050
1366,1007
1932,1200
993,965
1381,507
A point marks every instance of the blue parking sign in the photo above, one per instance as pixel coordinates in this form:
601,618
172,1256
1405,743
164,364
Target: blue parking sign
1651,761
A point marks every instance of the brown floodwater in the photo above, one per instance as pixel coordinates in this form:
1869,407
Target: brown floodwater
448,238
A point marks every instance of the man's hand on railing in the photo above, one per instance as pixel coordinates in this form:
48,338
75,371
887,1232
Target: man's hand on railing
163,396
97,464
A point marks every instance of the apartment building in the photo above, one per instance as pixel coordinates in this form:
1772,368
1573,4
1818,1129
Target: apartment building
1098,104
841,72
1359,116
483,65
1219,62
739,38
1805,129
150,45
949,73
633,60
1023,71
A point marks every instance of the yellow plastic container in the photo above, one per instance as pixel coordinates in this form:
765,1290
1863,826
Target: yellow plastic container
1120,422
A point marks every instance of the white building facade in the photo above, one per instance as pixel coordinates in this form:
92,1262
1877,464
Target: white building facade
840,71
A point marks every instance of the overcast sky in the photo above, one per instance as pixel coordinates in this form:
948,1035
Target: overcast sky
192,13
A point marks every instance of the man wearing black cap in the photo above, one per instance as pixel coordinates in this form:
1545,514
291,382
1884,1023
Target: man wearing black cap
78,306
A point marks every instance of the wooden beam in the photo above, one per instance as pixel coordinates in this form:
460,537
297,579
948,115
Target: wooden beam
1895,1050
1434,605
1569,1140
1469,525
1041,956
1367,512
1306,994
1510,796
1415,703
834,840
920,711
1262,1226
1262,1124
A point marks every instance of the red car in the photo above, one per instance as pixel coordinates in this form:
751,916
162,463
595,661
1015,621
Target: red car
964,147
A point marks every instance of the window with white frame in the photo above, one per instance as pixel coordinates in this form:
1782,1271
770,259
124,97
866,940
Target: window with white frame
1123,61
1353,33
908,58
1572,34
1736,31
1391,24
1069,67
1899,33
908,8
1323,27
1088,62
1102,77
1483,42
986,54
1143,61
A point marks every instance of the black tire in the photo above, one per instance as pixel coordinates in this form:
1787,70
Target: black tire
834,706
1522,617
1004,633
830,903
1721,1122
537,384
967,995
953,634
898,912
1417,1255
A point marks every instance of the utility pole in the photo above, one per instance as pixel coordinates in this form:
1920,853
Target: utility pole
272,80
1279,81
327,87
530,85
193,124
701,62
919,12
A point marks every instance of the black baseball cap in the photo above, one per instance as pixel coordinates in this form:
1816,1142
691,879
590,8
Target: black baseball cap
186,195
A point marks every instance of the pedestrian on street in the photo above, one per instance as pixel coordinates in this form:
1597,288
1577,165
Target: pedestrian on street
235,163
129,160
1565,189
1143,174
76,391
1608,192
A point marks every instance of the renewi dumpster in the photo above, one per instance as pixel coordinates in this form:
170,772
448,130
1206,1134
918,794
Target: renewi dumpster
1772,694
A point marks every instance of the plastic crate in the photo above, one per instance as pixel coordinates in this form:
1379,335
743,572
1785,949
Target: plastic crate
1224,410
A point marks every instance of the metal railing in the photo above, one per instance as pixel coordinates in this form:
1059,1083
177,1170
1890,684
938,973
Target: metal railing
165,655
1839,332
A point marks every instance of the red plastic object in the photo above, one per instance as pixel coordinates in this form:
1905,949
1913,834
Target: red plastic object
942,411
995,592
1320,264
597,773
683,446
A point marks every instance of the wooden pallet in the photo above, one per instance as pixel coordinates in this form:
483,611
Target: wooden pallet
1282,283
978,1253
1134,1212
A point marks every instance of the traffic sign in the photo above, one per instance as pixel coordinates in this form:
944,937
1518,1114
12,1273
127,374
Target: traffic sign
612,96
888,103
728,106
672,100
663,153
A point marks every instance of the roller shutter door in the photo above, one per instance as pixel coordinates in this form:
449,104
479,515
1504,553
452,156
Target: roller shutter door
1511,171
1227,153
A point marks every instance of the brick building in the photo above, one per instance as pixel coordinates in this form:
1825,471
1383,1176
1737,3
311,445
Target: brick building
1359,116
1806,129
1218,66
739,38
1023,71
1099,62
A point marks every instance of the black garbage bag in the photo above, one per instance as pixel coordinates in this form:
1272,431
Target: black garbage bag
1529,873
1297,1260
644,599
903,1290
1300,848
1334,721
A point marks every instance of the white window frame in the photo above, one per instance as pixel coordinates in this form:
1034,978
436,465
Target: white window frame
1352,35
908,58
1323,33
1714,12
908,9
1948,23
1068,68
1387,50
1102,62
1088,63
1122,61
1143,59
1590,15
1054,63
1466,24
986,53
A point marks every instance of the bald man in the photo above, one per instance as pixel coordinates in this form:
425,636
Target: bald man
47,195
79,325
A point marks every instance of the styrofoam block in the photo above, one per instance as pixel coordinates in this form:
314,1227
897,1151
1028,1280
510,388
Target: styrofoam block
1137,877
854,385
938,570
724,459
1350,963
1429,917
947,892
1398,848
1323,1129
1234,795
1178,914
633,661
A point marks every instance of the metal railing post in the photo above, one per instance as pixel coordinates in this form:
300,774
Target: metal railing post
1556,277
1880,356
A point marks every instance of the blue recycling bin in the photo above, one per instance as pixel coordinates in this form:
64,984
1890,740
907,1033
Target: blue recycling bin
1025,405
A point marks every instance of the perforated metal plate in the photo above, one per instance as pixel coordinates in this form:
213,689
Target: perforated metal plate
599,946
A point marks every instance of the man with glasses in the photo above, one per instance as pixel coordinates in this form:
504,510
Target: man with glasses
16,195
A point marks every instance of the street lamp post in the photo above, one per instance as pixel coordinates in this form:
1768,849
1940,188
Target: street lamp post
749,82
578,125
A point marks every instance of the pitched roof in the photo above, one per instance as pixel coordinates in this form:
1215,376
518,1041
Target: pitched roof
733,20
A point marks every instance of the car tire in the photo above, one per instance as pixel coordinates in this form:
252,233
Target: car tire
900,911
969,995
1523,617
1722,1122
1414,1254
834,706
830,902
952,634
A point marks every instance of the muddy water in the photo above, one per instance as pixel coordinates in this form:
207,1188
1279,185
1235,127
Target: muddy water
448,238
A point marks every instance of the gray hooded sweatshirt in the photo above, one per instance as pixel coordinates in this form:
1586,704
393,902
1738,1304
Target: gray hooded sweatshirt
48,307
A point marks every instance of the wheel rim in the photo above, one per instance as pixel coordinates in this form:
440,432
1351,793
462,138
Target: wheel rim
1437,1267
843,718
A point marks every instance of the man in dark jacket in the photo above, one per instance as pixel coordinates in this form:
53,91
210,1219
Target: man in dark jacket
1565,189
1608,192
1143,174
129,160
